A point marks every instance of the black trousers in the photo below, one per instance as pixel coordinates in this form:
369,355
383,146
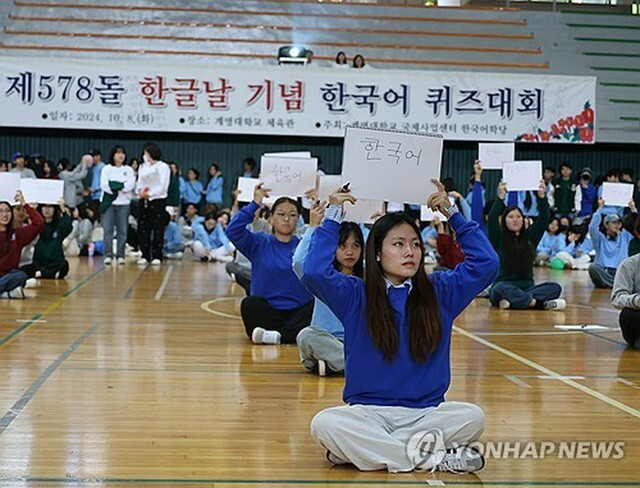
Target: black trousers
151,224
256,312
48,270
630,326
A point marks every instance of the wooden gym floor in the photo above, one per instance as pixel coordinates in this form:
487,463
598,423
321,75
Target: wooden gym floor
132,377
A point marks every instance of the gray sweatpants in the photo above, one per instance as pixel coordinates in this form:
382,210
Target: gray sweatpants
316,343
398,439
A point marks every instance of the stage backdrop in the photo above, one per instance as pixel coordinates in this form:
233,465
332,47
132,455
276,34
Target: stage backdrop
296,101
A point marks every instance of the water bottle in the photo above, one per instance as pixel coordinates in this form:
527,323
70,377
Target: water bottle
91,249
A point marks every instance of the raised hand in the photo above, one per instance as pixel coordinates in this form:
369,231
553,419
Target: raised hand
439,200
340,195
316,214
259,193
502,190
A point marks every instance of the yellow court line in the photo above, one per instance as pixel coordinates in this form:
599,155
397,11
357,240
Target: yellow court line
206,308
551,373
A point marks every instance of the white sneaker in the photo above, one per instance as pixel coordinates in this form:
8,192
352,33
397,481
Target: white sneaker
263,336
31,283
322,368
17,292
504,304
462,460
38,274
557,304
142,262
122,261
156,262
107,261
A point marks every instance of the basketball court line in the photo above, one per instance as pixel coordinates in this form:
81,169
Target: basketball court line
548,372
294,482
26,397
164,283
127,293
38,317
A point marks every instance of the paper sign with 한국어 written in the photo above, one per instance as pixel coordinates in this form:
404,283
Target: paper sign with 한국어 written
391,166
617,194
522,175
291,177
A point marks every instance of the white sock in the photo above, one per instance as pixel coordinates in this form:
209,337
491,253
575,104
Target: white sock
271,337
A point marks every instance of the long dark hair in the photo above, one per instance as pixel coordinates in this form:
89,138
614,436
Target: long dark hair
4,248
425,329
519,252
346,230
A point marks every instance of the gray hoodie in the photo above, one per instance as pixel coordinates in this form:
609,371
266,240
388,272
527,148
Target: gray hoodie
626,286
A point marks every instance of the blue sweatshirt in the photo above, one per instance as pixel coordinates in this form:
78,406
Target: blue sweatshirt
370,380
172,241
272,277
609,253
211,240
588,201
322,315
192,191
477,205
214,190
549,243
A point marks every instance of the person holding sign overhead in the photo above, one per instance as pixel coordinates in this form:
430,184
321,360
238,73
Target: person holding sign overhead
12,241
279,306
48,259
611,243
398,324
516,245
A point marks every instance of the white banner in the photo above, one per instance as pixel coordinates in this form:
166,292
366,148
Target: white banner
119,95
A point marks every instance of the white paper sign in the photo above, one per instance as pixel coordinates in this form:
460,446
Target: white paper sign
246,187
288,176
522,175
617,194
492,156
9,185
300,154
326,184
362,211
42,191
391,166
427,215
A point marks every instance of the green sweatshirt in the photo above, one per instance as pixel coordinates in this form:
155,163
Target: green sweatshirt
533,234
49,246
564,195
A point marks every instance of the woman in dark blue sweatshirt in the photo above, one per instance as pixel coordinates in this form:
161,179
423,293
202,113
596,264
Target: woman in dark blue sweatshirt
398,327
279,306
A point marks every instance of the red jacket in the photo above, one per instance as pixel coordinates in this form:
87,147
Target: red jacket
10,259
450,251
